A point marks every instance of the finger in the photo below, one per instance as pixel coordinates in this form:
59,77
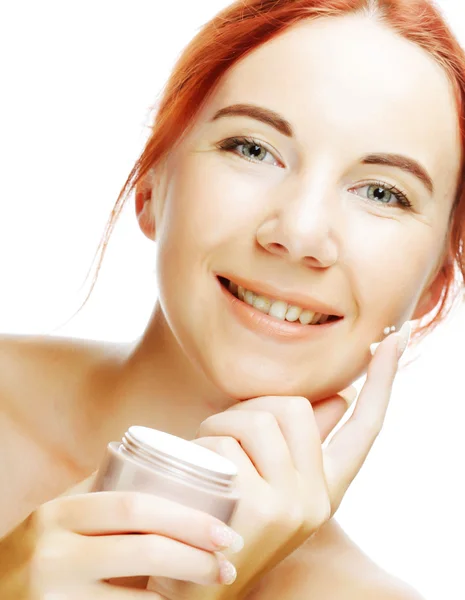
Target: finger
106,591
347,451
116,556
261,438
296,420
232,450
348,394
328,413
104,513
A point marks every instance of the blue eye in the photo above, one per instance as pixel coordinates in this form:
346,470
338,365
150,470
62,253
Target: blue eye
247,148
383,193
379,192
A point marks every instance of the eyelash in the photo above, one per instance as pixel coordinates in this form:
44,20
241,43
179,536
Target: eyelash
400,196
231,144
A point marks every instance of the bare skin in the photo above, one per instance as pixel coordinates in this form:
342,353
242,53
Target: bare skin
51,451
310,220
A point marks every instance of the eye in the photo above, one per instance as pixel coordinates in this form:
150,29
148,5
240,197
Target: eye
250,149
385,194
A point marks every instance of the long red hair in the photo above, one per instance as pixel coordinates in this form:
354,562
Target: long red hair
247,24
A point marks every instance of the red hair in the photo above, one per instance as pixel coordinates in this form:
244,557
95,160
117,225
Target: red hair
247,24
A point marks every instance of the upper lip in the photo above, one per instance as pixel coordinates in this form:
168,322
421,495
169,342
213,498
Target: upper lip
292,297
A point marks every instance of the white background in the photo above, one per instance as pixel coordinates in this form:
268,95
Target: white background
78,81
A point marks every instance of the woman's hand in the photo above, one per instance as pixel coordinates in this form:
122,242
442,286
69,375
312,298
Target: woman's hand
77,544
84,545
289,485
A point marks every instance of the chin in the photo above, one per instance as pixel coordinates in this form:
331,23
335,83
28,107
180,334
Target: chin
248,376
245,377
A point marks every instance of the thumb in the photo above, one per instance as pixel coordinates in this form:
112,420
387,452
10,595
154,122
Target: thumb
330,411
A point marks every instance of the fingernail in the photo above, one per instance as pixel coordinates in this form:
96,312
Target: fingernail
403,336
349,394
373,347
228,572
225,537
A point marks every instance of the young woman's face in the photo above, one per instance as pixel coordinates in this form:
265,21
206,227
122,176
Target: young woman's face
340,203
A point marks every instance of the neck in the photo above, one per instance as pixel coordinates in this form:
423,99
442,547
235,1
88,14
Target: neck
160,387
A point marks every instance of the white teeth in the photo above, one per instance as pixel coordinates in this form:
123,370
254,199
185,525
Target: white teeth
249,297
306,317
278,309
262,304
293,313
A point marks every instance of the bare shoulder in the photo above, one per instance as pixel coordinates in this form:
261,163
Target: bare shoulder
19,352
385,588
356,572
332,567
50,390
373,583
38,373
42,378
394,590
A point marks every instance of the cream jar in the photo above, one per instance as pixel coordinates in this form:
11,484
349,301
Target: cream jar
154,462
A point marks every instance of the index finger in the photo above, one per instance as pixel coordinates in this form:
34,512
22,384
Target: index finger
347,451
113,513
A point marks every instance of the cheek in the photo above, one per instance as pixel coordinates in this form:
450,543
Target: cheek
217,196
390,264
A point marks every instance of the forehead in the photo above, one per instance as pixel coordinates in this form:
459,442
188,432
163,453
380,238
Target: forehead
352,81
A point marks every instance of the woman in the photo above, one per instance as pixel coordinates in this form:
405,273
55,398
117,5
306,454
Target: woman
338,192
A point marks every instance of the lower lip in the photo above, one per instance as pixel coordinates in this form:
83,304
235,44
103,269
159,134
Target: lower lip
263,324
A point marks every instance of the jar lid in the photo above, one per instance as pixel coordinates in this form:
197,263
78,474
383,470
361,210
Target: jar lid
189,453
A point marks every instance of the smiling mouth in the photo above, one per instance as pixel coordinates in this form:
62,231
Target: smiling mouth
275,308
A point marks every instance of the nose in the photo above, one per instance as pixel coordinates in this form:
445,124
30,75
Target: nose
302,231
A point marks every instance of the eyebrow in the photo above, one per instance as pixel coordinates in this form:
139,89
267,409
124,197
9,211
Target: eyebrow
269,117
409,165
258,113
